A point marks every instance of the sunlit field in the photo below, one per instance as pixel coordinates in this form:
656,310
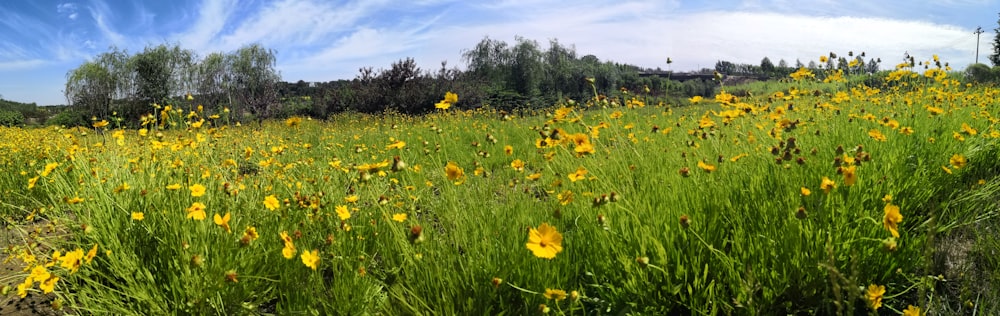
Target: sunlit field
801,197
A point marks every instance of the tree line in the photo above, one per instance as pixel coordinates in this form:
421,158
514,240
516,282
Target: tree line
129,85
500,75
767,70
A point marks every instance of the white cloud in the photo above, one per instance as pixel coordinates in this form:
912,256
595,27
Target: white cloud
700,39
296,23
21,64
212,17
102,16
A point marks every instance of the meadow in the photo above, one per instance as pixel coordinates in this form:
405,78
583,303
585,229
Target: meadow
793,197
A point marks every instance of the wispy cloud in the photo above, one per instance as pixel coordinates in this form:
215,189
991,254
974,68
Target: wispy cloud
102,15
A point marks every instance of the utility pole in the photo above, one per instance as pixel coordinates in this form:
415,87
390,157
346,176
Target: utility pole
979,30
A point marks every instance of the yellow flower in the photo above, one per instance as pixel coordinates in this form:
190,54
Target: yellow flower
555,294
173,187
39,273
583,149
74,200
579,174
138,216
533,176
250,234
72,260
49,285
197,190
544,242
91,254
805,191
827,185
342,212
912,311
891,219
399,217
102,123
196,211
123,187
450,97
695,99
517,164
934,110
49,167
22,289
289,249
509,150
958,161
969,130
351,198
876,135
454,172
396,145
31,182
850,175
222,221
705,166
442,105
565,197
802,73
310,258
874,296
271,202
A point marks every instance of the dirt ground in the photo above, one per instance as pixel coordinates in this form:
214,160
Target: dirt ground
12,274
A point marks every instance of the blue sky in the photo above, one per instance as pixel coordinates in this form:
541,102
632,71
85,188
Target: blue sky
40,41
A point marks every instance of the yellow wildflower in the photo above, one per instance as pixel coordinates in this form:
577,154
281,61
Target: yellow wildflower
222,221
343,212
271,202
197,190
310,258
827,185
196,211
399,217
874,296
891,219
544,242
555,294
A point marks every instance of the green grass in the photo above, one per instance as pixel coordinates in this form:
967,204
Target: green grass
745,249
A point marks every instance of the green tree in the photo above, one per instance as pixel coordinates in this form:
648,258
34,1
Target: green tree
995,57
254,79
766,65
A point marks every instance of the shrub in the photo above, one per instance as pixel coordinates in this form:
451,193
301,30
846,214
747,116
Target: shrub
980,73
11,118
68,118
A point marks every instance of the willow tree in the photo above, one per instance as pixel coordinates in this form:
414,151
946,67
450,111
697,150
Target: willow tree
162,73
211,78
253,80
94,88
